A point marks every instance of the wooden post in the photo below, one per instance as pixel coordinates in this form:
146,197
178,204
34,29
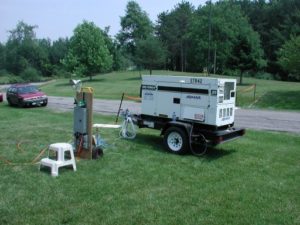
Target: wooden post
86,95
236,97
254,92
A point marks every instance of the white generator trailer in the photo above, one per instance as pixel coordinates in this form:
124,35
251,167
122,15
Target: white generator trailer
191,112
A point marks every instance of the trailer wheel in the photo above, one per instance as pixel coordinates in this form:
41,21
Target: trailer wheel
176,140
97,152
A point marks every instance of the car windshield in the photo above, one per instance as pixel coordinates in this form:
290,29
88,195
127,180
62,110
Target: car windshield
27,89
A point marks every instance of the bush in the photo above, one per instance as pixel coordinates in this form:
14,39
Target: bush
294,77
30,74
3,72
229,72
59,71
265,76
15,79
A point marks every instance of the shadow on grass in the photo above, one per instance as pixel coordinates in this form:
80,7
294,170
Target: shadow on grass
65,169
156,142
243,84
133,78
27,107
281,100
214,153
63,85
93,80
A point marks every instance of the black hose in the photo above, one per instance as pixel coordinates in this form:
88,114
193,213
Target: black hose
190,142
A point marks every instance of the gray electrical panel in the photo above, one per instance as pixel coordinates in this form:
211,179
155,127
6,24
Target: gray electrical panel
80,120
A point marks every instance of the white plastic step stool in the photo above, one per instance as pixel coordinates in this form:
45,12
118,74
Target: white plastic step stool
60,149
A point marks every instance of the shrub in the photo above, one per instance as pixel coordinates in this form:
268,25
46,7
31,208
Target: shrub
31,74
3,72
59,71
229,72
265,76
15,79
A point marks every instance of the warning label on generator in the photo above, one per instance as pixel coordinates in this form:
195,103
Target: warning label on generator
148,96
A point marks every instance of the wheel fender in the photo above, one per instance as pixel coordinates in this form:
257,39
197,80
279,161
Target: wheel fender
186,126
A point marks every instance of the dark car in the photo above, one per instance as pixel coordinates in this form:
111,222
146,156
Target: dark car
25,95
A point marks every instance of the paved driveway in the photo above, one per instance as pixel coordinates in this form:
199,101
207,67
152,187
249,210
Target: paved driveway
248,118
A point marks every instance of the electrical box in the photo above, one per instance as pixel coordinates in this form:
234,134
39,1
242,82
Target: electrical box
80,120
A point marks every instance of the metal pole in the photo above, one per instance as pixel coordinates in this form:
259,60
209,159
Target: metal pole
215,59
209,39
119,108
254,91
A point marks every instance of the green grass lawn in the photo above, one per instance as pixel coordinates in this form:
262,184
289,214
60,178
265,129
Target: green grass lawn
269,94
253,180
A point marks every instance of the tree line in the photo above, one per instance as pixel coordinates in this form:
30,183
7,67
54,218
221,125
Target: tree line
233,37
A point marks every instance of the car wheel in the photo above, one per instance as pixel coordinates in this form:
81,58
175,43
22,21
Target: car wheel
45,104
21,103
9,102
97,152
176,140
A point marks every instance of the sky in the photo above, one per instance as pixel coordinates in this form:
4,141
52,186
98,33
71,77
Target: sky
58,18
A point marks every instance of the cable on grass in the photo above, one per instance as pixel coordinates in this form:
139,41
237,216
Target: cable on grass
19,148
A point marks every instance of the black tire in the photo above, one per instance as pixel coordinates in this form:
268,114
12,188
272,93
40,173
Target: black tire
97,152
21,104
9,102
176,140
44,104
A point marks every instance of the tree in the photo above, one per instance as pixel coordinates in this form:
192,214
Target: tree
42,53
275,21
244,56
135,25
22,33
58,50
229,27
88,53
150,53
21,48
172,29
2,56
289,57
24,51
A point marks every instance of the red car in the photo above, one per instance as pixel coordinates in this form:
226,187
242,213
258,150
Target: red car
25,95
1,97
